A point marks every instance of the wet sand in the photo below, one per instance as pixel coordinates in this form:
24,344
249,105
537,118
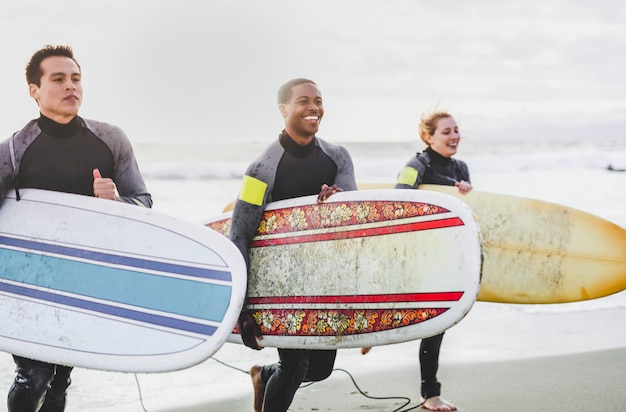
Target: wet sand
499,358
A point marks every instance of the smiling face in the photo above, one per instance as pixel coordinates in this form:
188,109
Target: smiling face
445,139
303,113
60,92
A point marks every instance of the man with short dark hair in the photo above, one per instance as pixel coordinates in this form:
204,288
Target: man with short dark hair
297,164
63,152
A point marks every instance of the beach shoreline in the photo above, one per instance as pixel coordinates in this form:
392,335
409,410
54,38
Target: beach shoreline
575,382
500,357
494,360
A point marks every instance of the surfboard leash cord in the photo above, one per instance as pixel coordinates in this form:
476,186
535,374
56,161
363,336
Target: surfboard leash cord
402,408
403,398
140,395
380,398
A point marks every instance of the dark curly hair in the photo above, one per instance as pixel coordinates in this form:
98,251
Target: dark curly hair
33,68
285,92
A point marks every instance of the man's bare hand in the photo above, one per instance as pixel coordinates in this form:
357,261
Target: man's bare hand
249,330
103,188
326,192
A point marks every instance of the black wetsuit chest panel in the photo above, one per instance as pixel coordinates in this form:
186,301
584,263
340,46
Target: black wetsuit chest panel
302,172
65,164
443,171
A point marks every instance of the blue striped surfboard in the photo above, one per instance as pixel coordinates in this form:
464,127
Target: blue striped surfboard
111,286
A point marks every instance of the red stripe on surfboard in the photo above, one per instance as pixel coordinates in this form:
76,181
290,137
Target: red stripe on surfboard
347,299
352,234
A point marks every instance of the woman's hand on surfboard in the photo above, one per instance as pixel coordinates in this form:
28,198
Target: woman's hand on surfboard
464,187
327,191
249,330
103,188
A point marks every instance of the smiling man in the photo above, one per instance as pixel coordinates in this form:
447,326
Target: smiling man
297,164
62,152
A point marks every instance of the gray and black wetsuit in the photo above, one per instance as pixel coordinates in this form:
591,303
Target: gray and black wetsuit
286,170
429,167
61,157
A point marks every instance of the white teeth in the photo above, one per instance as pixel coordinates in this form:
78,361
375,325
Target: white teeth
311,118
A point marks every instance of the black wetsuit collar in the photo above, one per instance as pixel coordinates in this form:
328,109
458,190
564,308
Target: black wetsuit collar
55,129
436,157
294,148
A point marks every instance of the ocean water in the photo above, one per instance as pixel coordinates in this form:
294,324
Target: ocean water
194,181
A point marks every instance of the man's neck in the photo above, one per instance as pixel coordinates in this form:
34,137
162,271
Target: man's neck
299,139
56,129
59,118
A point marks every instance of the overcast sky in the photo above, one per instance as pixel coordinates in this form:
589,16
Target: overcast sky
203,70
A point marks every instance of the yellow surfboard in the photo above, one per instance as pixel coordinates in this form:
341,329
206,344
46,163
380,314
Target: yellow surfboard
541,252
